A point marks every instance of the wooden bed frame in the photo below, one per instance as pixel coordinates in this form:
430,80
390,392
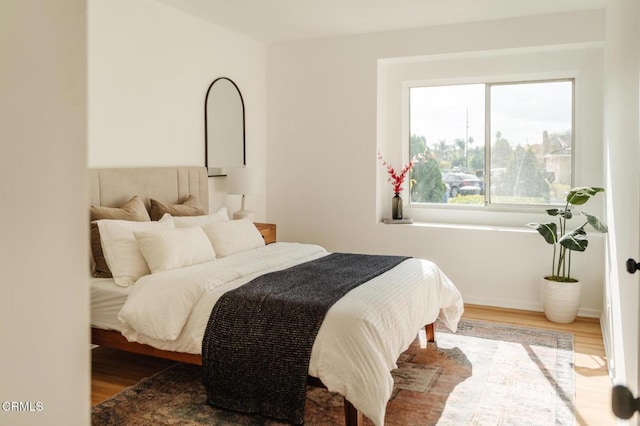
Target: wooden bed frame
112,187
115,340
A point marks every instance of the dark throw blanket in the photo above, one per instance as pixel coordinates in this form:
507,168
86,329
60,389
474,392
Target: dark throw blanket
257,345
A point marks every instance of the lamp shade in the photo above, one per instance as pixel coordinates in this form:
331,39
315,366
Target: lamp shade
244,180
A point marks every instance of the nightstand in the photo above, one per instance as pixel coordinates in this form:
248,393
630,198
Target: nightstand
268,231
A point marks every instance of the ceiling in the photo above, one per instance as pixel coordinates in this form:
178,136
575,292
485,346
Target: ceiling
281,20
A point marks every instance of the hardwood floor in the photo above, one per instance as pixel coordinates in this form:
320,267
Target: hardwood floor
593,386
113,371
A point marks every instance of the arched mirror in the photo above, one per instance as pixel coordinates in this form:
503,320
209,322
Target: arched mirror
224,134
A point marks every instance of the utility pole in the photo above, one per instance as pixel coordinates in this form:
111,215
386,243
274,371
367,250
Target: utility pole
466,141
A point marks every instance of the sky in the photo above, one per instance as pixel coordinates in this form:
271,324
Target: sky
521,112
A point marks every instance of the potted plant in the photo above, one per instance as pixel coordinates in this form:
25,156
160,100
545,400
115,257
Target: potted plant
561,291
396,180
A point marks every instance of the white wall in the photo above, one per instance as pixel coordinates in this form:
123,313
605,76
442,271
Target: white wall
44,289
149,69
323,174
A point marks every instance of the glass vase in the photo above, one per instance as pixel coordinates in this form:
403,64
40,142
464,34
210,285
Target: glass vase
396,207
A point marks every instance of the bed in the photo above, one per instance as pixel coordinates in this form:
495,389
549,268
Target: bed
358,342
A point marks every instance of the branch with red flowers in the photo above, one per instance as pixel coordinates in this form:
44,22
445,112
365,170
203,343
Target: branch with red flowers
396,179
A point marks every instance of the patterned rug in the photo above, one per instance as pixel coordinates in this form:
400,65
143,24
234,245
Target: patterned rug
485,374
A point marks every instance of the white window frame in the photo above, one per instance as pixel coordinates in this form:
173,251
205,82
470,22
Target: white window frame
487,142
581,62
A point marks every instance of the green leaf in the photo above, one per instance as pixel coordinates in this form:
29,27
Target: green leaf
549,231
579,196
575,240
596,222
554,212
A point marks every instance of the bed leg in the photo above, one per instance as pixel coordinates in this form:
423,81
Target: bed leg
352,417
430,329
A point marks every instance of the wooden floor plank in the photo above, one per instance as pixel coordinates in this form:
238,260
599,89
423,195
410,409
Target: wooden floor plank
113,371
593,386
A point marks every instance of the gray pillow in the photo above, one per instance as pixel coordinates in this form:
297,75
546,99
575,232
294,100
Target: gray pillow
133,210
189,207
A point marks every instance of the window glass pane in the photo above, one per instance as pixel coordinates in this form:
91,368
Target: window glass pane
531,128
447,143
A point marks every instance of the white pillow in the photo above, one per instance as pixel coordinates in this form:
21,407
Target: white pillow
120,247
189,221
233,236
167,249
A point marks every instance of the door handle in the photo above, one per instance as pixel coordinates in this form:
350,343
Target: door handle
632,266
623,403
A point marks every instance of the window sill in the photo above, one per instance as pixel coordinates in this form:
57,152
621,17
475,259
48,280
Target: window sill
459,226
478,228
477,216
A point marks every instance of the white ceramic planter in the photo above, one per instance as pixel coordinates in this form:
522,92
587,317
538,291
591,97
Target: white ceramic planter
560,301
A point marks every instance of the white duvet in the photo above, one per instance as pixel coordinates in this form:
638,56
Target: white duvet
359,341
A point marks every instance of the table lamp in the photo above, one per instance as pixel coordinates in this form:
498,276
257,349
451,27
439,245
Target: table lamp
242,181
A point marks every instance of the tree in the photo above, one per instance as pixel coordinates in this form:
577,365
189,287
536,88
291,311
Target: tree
476,158
525,176
501,152
417,145
426,179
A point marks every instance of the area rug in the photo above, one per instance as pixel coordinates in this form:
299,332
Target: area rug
485,374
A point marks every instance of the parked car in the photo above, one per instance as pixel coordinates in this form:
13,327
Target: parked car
463,184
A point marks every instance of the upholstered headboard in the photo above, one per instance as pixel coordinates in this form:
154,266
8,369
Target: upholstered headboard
114,187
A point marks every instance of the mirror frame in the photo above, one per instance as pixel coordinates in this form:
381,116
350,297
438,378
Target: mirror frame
220,171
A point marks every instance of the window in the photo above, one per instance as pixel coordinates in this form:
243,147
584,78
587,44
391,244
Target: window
493,143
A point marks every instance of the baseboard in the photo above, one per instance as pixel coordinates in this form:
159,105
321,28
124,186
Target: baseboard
589,313
525,306
608,348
